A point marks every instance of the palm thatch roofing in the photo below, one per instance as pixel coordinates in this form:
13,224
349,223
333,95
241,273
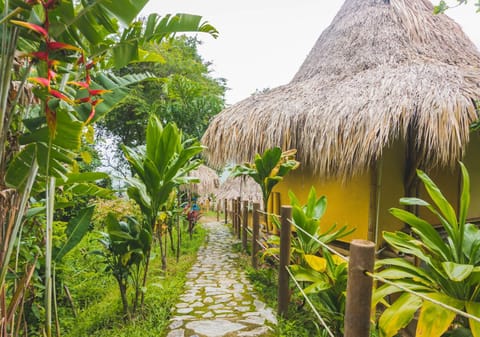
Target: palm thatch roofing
383,70
209,181
244,187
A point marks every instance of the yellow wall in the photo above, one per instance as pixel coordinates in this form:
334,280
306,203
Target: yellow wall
392,167
347,204
472,162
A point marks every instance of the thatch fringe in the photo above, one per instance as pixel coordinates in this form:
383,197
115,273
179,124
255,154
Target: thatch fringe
377,71
209,181
244,187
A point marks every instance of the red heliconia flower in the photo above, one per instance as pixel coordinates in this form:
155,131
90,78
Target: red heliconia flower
79,84
92,114
59,95
51,118
41,55
92,110
54,45
32,2
90,65
87,77
32,26
97,102
44,82
96,92
49,4
81,59
51,74
83,99
53,63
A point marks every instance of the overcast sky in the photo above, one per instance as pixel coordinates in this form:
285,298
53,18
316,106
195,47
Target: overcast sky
262,43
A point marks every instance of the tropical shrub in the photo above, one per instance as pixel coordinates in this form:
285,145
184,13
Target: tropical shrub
126,246
160,166
268,170
323,274
449,271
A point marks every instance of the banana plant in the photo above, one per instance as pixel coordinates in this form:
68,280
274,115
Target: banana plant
268,170
449,270
160,166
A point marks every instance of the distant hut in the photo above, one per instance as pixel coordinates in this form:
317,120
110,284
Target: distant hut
387,88
240,187
206,188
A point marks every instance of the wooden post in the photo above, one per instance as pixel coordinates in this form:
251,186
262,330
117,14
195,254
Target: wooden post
225,205
244,225
359,289
239,218
256,232
233,216
283,276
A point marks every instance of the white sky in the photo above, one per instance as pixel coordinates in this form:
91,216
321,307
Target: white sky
262,43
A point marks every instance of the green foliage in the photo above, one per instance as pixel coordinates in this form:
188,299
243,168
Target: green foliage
161,165
75,231
268,169
450,267
443,6
126,245
308,217
98,299
183,92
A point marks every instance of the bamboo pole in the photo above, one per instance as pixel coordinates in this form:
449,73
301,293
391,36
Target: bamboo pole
232,215
245,225
225,205
359,289
239,218
283,276
256,232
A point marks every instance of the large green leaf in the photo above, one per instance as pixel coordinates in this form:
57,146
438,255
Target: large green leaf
464,197
68,133
388,289
438,198
427,233
473,308
457,272
85,177
76,230
434,320
418,274
93,20
118,90
471,243
19,168
398,315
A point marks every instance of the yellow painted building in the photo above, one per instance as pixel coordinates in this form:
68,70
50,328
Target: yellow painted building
380,94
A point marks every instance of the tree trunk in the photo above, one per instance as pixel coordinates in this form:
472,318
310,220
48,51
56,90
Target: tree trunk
179,236
123,294
170,233
145,271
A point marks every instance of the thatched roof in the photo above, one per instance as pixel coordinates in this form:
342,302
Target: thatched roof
209,181
381,68
245,188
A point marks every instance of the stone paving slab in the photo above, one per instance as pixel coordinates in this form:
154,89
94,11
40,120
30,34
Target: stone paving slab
219,301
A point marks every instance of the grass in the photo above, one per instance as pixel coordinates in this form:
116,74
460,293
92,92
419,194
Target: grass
96,294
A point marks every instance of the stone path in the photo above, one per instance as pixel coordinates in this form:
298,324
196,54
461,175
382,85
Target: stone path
219,300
